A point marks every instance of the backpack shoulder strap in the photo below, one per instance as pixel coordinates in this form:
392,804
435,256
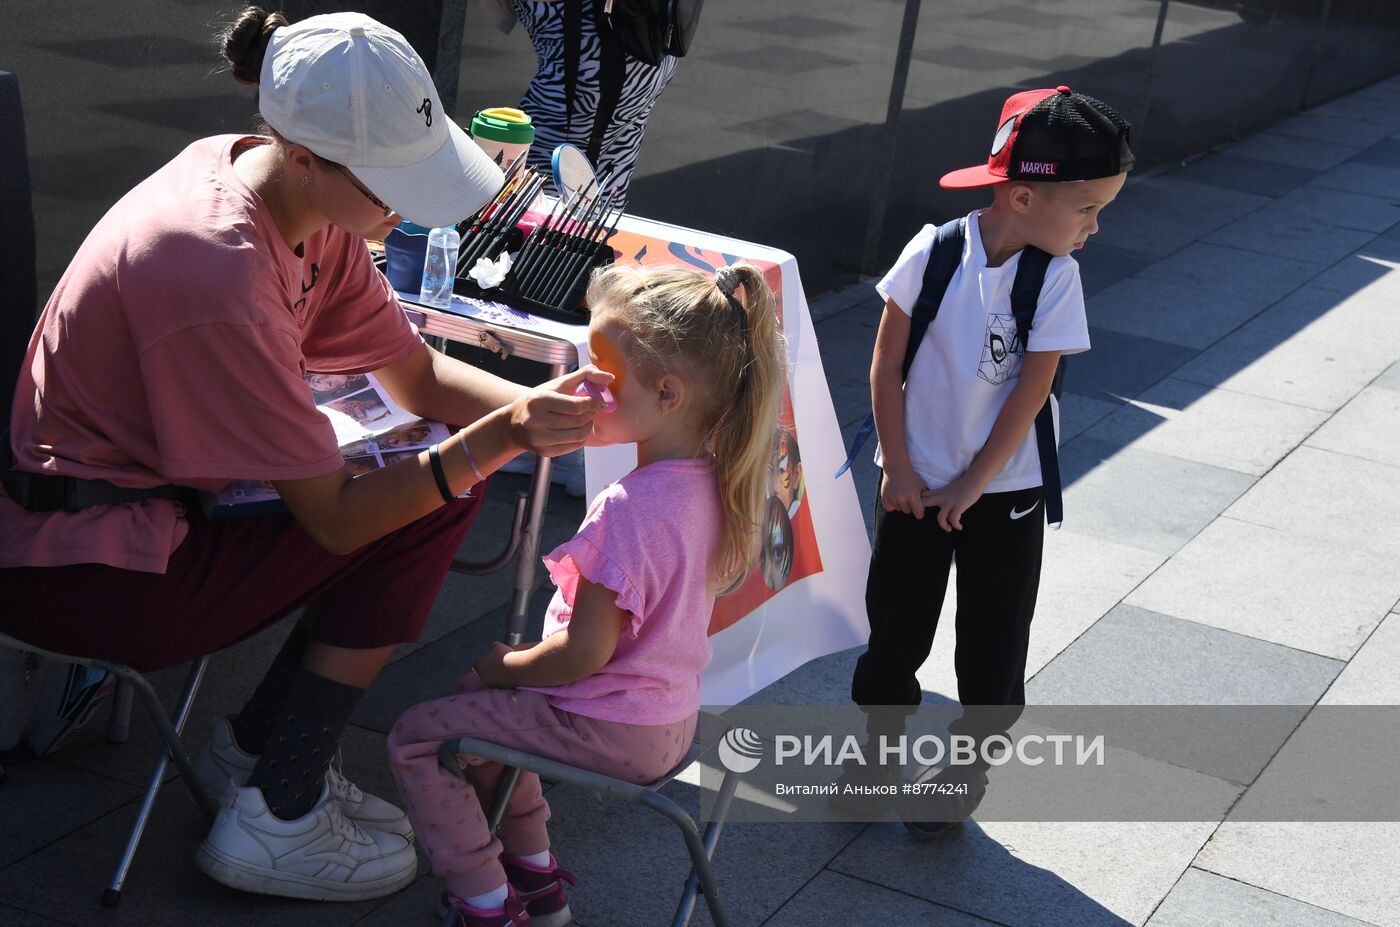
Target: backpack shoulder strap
1025,290
943,260
1025,298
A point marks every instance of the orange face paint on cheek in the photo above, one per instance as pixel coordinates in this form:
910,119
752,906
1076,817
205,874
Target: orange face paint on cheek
608,356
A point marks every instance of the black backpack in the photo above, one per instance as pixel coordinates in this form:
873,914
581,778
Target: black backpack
943,262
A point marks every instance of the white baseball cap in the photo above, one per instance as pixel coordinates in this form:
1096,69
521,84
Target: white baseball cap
355,92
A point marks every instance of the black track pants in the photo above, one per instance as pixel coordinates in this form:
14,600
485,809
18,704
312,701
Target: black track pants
998,559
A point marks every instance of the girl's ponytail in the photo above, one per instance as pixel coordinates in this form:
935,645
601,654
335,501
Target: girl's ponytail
742,439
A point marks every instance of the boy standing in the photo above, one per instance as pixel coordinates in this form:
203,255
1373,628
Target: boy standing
961,463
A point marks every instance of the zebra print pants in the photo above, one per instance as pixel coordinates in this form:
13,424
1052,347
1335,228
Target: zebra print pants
545,98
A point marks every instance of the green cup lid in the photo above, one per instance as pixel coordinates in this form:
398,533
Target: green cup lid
503,124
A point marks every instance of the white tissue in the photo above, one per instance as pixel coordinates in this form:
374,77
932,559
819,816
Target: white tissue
488,273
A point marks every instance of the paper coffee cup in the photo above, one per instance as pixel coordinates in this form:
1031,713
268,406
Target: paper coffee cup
503,133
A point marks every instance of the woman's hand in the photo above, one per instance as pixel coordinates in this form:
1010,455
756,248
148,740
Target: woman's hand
903,493
550,420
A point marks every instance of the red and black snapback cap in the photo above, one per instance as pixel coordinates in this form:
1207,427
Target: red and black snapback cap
1054,136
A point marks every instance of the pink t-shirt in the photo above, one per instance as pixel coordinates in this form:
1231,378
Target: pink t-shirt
650,538
174,350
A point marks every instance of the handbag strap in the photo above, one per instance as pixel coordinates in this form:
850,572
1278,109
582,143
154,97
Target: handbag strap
612,72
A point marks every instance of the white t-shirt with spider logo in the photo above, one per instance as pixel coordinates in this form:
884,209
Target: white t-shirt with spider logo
970,357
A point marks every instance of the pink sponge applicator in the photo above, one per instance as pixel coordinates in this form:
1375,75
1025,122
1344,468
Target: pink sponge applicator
600,393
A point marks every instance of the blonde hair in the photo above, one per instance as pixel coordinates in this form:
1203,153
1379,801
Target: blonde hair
722,335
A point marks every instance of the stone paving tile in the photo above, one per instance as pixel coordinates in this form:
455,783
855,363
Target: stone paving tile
1301,496
1078,413
1165,213
1366,272
1248,275
41,802
1101,266
1339,130
1052,874
1382,154
1295,152
835,900
1304,350
1203,899
1290,236
1119,366
1390,379
65,879
1277,584
1138,657
1358,107
1375,211
14,917
1355,177
1292,858
1140,499
847,343
1141,228
1370,677
1134,656
1193,317
759,866
1353,429
1230,171
1211,426
1082,579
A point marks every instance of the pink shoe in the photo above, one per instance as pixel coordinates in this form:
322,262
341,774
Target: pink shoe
457,913
541,890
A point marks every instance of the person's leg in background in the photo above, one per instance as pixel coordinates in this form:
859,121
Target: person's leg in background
908,578
998,559
546,99
228,580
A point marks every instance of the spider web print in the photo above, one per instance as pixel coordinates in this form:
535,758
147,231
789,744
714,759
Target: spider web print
1001,351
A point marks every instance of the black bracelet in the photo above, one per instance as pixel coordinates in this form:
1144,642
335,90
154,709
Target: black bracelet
439,474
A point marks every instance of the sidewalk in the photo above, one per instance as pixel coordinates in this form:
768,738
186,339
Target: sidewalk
1232,452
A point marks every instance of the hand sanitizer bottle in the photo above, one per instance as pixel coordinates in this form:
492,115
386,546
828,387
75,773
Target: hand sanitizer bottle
440,268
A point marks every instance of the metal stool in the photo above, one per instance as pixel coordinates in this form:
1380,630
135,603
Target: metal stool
709,729
129,682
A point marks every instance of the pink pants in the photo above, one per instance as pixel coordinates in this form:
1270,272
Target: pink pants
449,816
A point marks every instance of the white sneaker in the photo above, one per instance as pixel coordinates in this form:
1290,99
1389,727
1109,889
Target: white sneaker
321,856
223,763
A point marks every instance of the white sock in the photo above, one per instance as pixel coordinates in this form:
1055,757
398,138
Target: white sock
489,901
539,860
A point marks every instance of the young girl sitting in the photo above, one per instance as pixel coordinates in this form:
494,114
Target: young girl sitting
698,366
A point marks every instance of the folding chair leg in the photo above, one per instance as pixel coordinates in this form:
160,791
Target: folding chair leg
710,841
170,733
119,720
509,777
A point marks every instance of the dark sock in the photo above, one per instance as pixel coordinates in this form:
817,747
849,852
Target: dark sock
252,725
306,734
